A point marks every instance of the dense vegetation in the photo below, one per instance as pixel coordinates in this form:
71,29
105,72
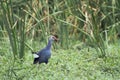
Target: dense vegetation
88,31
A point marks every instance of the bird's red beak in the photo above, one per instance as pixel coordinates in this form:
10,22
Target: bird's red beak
56,38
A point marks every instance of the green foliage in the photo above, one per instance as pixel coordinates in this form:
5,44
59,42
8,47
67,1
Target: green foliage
94,21
64,64
14,25
91,26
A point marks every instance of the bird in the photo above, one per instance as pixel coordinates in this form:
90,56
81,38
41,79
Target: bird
44,55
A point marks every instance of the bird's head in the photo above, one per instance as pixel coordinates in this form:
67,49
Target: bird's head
53,38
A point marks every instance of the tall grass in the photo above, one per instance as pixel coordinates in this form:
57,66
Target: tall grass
93,22
13,25
25,22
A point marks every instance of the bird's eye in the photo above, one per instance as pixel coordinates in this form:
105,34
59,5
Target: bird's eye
53,37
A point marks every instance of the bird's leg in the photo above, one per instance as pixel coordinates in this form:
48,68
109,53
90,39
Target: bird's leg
38,66
36,70
46,61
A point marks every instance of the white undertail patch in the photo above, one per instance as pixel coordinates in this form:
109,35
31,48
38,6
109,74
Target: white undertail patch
35,55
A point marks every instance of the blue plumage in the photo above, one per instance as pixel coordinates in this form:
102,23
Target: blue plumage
43,55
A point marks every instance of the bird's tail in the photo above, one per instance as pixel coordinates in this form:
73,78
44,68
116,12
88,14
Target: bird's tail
36,58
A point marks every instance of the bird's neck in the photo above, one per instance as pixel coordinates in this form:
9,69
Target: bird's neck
49,44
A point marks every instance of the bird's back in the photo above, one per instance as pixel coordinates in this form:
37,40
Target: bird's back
44,55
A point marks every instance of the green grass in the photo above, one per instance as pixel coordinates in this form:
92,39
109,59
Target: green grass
69,64
88,31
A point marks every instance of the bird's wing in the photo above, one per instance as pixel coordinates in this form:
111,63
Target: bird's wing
42,56
41,53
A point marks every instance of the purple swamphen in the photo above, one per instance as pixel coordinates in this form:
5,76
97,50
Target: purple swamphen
43,55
